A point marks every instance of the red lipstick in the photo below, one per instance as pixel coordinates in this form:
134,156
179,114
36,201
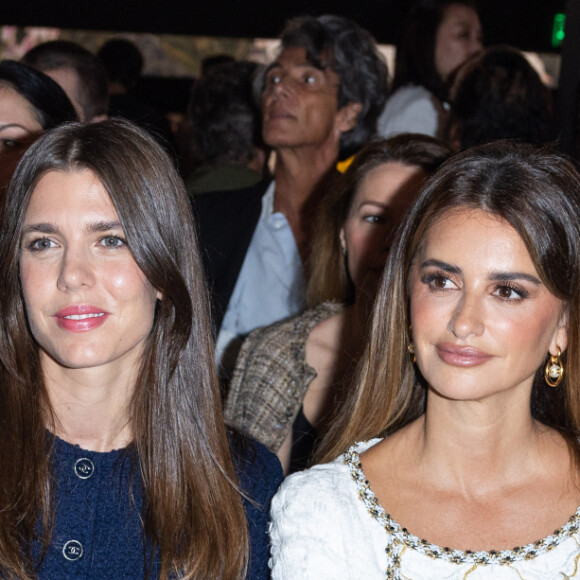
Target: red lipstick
461,356
80,318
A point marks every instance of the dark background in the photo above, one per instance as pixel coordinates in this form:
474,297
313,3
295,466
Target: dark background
526,24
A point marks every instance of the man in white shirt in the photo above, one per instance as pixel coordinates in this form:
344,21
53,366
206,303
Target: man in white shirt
320,101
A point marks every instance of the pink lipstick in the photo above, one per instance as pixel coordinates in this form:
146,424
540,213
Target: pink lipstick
80,318
461,356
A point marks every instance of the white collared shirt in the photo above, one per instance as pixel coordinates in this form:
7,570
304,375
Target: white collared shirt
270,286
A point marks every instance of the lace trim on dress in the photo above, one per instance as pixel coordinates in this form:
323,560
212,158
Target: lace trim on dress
399,539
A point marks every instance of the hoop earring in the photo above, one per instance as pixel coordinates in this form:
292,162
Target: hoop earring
411,346
554,371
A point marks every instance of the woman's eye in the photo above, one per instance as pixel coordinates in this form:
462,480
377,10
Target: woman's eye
112,242
309,79
11,144
374,219
437,281
510,293
41,244
441,282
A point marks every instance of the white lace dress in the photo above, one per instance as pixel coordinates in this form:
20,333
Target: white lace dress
328,524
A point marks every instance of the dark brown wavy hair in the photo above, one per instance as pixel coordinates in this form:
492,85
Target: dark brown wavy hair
194,513
537,192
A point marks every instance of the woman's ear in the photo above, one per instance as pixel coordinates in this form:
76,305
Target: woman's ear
342,241
560,338
159,295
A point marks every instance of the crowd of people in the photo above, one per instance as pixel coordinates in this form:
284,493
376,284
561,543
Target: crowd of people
325,329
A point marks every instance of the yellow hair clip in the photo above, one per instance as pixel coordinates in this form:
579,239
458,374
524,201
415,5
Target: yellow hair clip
342,166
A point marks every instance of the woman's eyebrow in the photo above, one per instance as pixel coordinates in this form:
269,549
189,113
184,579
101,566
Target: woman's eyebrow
12,125
443,265
104,226
494,276
507,276
42,227
48,228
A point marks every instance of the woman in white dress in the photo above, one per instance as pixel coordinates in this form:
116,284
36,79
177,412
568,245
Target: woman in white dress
468,397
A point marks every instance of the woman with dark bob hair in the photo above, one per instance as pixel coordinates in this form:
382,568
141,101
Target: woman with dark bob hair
497,94
30,103
290,376
467,400
114,460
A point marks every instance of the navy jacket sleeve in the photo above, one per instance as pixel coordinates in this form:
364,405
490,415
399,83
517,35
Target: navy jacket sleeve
260,475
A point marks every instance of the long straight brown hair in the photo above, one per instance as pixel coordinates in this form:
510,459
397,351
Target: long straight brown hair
535,192
194,513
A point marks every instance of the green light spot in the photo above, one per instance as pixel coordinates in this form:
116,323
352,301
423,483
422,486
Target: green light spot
558,31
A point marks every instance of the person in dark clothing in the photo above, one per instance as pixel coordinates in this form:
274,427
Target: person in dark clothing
225,130
124,62
78,71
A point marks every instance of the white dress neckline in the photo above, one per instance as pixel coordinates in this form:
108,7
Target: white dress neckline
400,540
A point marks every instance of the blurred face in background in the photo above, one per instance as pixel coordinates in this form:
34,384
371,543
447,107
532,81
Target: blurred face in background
377,208
69,81
19,127
300,104
458,37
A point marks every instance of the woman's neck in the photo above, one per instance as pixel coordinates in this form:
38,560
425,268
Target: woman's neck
90,408
471,443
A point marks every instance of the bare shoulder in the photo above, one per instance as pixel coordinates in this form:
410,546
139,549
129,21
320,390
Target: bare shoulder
325,337
283,335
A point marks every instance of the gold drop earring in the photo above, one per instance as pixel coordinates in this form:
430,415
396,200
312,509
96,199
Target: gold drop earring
554,371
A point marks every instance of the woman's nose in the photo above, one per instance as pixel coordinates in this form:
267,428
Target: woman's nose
75,270
467,319
476,46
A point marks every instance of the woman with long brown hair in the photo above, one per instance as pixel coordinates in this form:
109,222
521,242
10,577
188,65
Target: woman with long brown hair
460,440
114,460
